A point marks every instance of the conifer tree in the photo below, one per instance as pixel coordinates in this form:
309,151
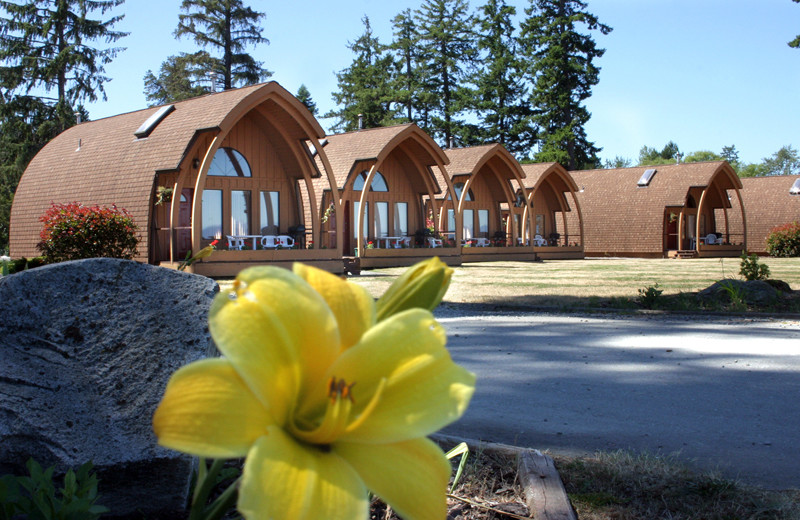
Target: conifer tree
304,96
561,69
227,27
447,51
180,77
44,47
365,88
412,77
48,67
499,87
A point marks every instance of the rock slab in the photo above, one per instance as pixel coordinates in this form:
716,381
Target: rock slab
86,349
753,292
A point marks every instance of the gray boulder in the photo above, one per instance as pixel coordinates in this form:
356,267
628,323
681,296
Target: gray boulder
86,349
754,292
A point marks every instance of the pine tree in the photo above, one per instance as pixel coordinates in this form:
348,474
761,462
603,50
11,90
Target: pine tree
365,88
304,96
447,51
43,47
408,81
27,123
180,77
560,67
226,26
499,87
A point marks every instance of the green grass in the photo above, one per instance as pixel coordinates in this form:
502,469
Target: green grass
592,283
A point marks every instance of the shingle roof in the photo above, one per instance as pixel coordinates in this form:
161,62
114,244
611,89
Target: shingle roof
469,160
768,204
102,162
535,172
619,216
345,150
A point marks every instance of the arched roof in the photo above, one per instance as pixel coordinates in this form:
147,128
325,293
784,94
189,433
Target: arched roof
345,151
669,186
615,208
769,204
469,160
537,173
103,162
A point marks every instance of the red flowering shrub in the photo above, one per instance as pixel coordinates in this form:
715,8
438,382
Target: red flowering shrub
73,231
784,241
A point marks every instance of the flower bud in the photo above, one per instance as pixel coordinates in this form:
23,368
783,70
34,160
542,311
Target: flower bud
423,285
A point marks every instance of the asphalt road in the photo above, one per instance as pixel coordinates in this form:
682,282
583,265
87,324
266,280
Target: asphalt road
719,393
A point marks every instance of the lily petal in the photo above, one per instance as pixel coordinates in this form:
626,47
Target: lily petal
422,285
261,325
416,484
207,410
285,479
352,305
424,389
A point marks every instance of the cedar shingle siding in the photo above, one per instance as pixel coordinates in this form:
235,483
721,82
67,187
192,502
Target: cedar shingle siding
103,162
623,219
769,205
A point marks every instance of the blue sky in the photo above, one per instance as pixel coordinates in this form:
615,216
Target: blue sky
704,73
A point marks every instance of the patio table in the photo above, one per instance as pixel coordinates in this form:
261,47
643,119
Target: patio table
389,242
255,239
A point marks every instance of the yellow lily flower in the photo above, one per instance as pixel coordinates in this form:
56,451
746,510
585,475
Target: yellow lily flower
422,285
324,403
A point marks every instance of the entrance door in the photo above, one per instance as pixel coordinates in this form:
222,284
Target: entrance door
671,231
184,226
691,227
347,231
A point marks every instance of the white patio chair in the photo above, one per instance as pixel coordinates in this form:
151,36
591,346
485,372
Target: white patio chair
434,242
711,239
235,243
269,242
482,242
539,241
285,241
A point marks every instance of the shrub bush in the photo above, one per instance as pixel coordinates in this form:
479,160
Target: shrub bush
751,270
784,241
650,296
38,496
73,231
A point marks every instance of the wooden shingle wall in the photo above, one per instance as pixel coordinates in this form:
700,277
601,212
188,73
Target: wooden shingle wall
768,205
103,162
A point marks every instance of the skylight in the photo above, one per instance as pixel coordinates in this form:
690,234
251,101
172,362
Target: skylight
795,189
153,121
646,177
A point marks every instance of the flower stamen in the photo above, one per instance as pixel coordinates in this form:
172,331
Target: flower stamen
339,389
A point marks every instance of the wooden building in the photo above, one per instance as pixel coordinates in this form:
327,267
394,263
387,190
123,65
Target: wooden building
486,180
234,166
771,202
555,224
684,210
384,177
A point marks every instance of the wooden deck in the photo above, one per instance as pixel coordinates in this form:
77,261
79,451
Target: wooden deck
406,257
229,263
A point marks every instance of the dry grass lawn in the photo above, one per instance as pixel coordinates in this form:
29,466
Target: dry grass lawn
582,283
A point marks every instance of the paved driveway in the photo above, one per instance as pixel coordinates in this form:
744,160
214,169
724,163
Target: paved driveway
721,393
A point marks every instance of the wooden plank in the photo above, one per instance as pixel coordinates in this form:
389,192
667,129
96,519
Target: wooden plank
545,494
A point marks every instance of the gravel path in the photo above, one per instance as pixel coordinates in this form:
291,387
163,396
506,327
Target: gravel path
721,393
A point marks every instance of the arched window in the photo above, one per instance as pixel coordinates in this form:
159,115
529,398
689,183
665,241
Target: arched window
459,187
378,182
229,162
